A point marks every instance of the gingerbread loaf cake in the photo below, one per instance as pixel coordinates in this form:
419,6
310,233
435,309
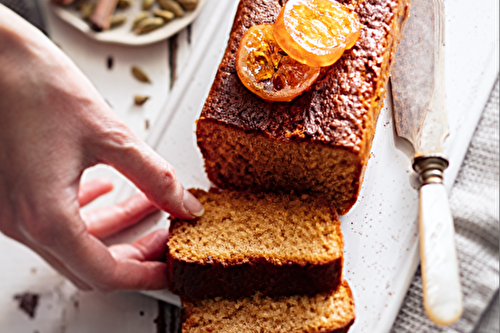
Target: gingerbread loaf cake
331,312
275,244
321,140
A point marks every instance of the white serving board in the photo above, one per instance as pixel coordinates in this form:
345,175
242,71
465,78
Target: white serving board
381,232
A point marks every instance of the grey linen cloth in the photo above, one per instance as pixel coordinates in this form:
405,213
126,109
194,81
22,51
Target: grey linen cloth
474,203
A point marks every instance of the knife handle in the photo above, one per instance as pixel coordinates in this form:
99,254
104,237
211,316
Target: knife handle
439,265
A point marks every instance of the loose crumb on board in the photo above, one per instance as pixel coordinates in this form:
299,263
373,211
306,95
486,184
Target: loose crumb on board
28,303
110,62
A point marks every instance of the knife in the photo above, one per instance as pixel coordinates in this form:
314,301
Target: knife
418,91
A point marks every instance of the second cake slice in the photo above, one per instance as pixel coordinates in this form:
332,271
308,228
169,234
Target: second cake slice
331,312
246,242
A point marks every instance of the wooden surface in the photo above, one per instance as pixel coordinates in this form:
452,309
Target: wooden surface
61,307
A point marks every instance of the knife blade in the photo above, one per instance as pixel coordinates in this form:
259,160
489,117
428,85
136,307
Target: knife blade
418,91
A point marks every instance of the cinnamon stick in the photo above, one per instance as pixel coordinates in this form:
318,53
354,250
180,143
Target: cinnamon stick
100,19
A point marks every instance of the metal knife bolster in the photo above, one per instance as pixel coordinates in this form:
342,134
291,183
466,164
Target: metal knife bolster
430,168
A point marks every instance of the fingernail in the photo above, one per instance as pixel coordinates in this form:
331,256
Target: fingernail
192,204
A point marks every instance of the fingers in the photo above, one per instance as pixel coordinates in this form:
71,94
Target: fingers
107,221
89,264
84,258
150,247
117,146
93,189
153,246
120,268
151,275
135,275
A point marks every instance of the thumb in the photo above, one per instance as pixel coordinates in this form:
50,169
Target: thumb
117,146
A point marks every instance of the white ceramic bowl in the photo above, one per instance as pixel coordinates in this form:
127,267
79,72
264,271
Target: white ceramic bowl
124,34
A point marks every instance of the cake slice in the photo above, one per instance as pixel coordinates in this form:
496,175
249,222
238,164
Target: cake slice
331,312
319,142
276,244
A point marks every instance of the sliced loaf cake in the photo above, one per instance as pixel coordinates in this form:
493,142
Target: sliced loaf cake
246,242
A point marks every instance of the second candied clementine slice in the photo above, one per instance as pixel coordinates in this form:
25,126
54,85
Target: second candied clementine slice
267,71
316,32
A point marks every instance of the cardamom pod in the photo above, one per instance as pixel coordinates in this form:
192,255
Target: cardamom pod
164,14
140,99
87,9
140,75
172,6
122,4
148,25
117,20
188,4
146,4
138,18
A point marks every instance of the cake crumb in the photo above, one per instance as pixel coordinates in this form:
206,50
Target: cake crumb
28,303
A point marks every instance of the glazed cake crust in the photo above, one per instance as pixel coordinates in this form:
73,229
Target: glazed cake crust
337,109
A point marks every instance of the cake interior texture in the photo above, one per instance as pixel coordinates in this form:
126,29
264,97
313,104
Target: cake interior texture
241,225
325,312
320,141
277,244
239,160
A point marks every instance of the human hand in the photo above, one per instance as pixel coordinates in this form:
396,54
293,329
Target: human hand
54,125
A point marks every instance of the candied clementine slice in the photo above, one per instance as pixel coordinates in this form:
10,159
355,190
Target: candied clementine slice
316,32
266,70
